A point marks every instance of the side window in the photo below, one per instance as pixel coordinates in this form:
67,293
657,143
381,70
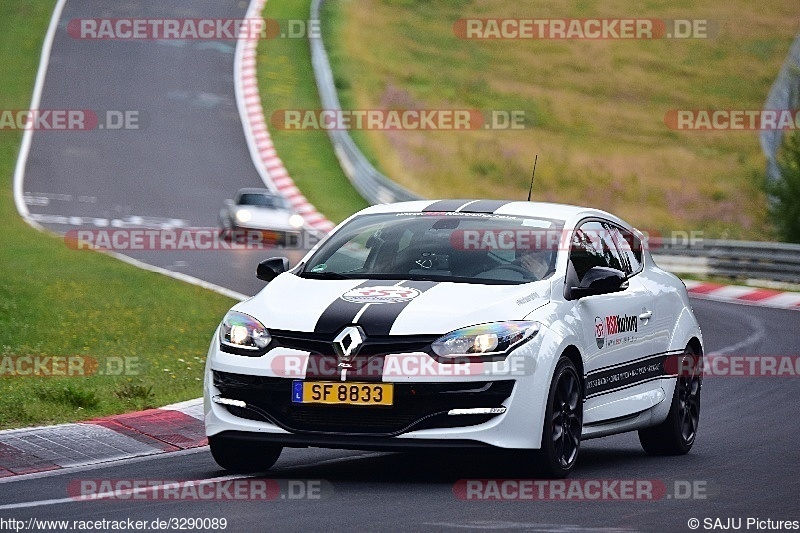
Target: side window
630,248
592,246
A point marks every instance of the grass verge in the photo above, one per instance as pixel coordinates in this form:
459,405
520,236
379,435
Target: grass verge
133,339
286,81
595,109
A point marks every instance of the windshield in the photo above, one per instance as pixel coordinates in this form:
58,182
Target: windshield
461,247
262,200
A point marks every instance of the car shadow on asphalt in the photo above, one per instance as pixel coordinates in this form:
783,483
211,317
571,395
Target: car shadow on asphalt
447,466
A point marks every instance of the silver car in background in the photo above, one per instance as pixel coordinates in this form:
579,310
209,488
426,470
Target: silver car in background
262,211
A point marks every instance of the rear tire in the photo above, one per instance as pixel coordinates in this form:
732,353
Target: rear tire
676,434
243,456
563,423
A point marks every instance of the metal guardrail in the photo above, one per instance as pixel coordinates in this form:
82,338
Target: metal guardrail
784,94
771,261
733,259
371,184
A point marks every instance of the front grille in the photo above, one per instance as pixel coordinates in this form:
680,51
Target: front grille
373,345
416,406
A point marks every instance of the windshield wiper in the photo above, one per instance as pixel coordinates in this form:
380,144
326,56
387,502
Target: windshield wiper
324,275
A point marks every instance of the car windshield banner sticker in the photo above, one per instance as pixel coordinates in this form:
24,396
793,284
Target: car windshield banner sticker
380,295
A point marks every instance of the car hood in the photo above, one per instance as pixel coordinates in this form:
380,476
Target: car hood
389,307
266,218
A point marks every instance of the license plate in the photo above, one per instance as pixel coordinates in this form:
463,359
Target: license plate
342,393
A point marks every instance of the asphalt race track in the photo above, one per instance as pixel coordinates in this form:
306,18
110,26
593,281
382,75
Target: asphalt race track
187,155
189,158
744,464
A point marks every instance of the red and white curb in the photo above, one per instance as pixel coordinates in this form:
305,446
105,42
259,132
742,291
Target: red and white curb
270,167
743,295
167,429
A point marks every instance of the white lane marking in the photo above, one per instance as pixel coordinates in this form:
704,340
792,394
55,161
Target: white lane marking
36,200
759,333
133,221
181,276
253,10
36,98
121,494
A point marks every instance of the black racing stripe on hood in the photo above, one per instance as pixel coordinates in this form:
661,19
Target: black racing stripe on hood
485,206
378,319
341,312
443,206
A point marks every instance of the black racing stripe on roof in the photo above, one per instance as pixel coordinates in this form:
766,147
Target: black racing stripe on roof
378,319
443,206
341,312
485,206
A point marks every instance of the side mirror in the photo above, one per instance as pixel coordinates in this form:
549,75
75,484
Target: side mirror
228,203
599,280
271,268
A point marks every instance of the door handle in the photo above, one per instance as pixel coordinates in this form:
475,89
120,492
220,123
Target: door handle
645,315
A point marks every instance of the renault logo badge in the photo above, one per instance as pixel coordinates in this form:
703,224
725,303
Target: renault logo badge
346,345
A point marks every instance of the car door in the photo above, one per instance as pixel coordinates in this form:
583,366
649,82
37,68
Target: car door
618,341
660,317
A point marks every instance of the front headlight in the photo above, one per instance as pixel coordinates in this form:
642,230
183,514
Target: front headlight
239,330
484,339
243,215
296,221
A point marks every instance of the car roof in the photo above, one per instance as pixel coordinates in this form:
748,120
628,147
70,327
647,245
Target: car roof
571,214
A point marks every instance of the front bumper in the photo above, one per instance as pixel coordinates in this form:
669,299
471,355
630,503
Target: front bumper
416,406
285,236
420,417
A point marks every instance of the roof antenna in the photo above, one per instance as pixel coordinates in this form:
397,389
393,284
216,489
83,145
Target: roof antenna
532,175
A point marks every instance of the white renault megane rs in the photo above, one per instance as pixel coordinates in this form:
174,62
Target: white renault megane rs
458,324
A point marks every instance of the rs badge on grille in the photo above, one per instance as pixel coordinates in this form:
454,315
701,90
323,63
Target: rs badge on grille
346,345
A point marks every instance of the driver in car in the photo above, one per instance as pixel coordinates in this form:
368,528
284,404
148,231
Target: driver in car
535,261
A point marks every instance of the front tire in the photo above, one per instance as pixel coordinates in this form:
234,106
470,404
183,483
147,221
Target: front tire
563,423
676,434
243,456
